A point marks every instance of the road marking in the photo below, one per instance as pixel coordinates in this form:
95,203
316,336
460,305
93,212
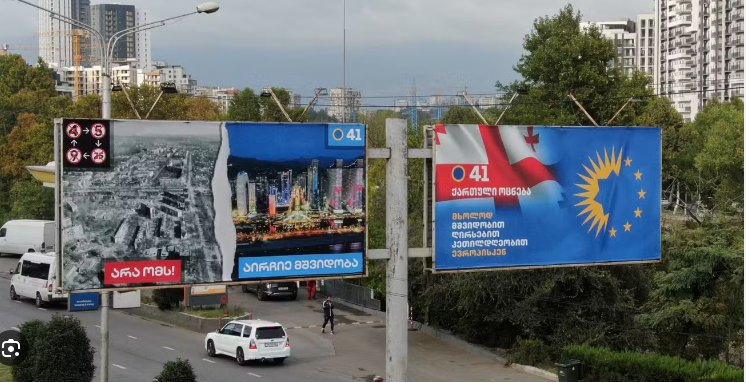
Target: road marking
41,308
118,366
132,337
208,360
256,375
168,348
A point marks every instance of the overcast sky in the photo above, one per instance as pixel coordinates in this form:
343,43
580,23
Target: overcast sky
440,45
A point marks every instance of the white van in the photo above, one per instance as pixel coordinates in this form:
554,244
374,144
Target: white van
34,277
27,236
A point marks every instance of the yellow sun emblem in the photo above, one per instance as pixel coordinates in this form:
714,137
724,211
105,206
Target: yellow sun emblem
602,169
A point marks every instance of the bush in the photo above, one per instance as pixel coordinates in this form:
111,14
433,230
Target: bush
31,332
178,371
58,350
167,298
531,352
602,364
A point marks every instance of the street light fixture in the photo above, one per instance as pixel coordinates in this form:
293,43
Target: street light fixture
107,48
268,92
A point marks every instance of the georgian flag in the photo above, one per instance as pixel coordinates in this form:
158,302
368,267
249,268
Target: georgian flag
506,163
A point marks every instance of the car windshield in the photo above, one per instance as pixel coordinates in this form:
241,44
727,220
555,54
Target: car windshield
269,332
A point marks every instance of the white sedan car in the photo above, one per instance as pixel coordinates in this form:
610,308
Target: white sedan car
250,340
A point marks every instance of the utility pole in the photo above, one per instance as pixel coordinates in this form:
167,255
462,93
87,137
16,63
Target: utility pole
397,233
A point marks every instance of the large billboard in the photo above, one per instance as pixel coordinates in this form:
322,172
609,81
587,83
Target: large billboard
538,196
206,202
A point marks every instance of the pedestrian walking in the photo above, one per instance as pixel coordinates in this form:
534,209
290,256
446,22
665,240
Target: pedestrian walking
328,307
311,289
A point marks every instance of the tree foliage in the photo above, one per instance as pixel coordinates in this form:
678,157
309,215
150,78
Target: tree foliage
59,350
177,371
244,106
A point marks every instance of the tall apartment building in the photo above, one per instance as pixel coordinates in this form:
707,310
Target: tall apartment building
56,38
701,52
109,19
344,105
177,75
142,42
632,40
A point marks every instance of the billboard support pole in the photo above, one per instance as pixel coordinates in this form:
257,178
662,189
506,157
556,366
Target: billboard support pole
397,245
105,303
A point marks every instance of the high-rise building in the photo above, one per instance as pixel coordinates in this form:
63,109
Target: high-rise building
252,198
109,19
56,37
312,185
624,35
286,187
701,52
242,194
344,104
142,43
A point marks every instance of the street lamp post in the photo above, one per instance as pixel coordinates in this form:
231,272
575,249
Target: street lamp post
107,50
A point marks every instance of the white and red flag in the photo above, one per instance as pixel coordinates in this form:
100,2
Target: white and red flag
505,163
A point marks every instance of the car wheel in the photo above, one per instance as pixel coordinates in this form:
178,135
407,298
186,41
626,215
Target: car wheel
239,357
261,295
245,288
294,296
13,295
38,302
280,360
210,348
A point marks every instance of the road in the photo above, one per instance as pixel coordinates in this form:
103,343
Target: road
139,347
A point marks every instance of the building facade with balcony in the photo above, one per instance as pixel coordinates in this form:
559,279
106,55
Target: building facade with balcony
700,54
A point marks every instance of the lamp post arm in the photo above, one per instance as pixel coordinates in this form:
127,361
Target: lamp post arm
115,38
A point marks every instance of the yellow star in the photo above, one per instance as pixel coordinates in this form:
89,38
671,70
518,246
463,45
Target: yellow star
641,193
638,213
638,175
627,226
612,232
628,162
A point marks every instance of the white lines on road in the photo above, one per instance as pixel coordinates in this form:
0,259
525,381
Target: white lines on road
208,360
132,337
118,366
168,348
256,375
42,308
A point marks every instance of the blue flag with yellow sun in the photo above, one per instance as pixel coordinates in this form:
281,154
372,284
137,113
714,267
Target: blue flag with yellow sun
523,196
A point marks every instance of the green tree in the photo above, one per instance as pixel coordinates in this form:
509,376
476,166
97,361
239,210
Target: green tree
720,160
244,106
461,115
59,350
269,109
696,307
177,371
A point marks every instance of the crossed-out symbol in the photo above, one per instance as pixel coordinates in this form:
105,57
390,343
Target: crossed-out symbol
74,155
98,156
73,130
98,130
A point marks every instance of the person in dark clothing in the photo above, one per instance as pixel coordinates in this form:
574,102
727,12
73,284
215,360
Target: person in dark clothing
328,307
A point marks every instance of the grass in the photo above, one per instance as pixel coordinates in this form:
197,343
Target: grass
214,313
5,373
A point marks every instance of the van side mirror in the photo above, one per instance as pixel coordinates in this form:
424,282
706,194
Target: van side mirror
11,271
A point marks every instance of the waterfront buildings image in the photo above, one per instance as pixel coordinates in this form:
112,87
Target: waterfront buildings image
309,201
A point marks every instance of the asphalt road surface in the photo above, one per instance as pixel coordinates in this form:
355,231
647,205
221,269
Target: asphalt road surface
139,347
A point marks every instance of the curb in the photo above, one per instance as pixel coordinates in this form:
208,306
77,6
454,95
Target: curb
448,337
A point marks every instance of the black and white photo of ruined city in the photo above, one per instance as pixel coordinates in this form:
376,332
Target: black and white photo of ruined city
296,198
154,203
